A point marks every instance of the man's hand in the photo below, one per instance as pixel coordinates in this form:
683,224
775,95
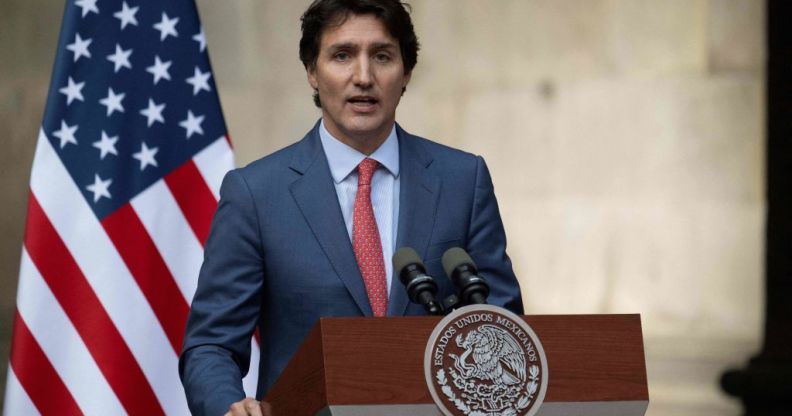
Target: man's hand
249,407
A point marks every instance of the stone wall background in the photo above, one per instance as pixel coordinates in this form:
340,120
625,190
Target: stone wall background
625,139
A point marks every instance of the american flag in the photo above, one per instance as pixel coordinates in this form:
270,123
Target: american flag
125,180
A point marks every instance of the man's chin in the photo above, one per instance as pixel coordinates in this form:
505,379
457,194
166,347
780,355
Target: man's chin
367,128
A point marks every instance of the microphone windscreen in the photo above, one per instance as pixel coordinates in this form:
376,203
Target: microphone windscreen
455,257
403,257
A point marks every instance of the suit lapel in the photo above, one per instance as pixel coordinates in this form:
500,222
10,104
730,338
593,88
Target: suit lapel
418,192
316,196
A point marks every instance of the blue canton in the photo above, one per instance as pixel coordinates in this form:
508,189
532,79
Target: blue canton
132,96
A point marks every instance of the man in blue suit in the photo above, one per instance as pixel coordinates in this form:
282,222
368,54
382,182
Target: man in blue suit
309,231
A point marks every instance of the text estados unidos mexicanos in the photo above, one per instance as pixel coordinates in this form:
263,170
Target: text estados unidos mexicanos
451,330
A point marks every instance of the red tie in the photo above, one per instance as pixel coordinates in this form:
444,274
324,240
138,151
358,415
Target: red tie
366,241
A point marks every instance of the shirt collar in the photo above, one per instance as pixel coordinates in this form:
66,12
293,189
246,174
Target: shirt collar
344,159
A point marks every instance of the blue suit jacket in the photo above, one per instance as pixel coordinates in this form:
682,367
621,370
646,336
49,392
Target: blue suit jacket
279,257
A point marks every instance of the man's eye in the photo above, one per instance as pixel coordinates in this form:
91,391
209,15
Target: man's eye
382,57
341,56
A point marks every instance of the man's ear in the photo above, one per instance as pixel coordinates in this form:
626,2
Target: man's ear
310,71
407,78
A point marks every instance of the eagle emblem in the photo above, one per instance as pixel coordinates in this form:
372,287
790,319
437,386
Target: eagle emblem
497,356
483,360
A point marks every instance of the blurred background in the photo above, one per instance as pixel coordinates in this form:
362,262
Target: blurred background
625,139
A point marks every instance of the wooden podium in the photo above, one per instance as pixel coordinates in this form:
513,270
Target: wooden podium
374,366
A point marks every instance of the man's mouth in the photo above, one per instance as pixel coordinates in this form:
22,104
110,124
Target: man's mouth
363,102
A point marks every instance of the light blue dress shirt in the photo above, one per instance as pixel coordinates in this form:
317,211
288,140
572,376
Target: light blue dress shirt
343,161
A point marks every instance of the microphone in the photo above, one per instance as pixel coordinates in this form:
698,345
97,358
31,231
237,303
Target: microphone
459,267
421,288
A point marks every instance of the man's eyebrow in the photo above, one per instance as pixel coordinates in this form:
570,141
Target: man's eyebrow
354,46
342,45
383,45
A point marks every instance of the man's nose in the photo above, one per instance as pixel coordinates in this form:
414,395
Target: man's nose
363,77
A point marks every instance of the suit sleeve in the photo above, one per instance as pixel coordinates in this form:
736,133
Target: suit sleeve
487,244
225,309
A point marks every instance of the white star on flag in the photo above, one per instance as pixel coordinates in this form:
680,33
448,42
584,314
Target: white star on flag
200,37
106,145
199,81
159,69
100,188
192,124
146,156
153,112
113,102
167,26
66,134
79,47
126,15
120,58
72,91
87,6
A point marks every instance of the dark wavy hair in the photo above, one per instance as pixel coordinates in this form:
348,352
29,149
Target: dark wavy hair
394,14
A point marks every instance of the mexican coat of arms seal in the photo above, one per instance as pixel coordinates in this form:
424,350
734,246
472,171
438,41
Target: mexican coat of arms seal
483,360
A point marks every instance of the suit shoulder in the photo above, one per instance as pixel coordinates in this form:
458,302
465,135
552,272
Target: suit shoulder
449,157
269,166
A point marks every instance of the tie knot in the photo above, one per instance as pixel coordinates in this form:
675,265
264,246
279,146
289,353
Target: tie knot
366,170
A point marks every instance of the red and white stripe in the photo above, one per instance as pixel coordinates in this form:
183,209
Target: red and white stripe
102,305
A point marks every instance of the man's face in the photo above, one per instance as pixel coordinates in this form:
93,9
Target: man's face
359,75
